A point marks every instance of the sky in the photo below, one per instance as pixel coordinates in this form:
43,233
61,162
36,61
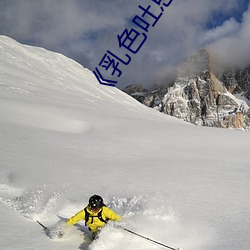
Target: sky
85,30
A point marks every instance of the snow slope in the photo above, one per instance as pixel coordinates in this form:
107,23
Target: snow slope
64,137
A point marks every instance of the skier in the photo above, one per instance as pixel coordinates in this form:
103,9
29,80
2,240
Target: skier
95,214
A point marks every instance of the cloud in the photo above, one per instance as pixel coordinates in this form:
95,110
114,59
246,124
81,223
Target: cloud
229,27
84,30
233,49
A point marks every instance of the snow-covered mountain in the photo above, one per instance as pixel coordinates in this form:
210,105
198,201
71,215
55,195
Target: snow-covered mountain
201,96
64,137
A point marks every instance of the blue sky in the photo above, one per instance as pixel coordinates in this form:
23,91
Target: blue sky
218,17
85,29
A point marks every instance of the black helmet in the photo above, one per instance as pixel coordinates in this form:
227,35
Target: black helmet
96,202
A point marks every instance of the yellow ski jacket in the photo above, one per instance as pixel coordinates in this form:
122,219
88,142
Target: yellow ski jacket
94,223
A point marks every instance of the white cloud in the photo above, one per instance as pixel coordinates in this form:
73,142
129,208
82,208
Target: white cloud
228,28
233,50
86,29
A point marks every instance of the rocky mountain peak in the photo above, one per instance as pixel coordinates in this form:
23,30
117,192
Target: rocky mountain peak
202,97
197,64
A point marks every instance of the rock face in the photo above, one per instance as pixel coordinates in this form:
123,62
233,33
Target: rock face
137,91
201,97
237,81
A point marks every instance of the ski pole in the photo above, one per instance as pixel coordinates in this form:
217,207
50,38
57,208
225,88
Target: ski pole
146,238
45,228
